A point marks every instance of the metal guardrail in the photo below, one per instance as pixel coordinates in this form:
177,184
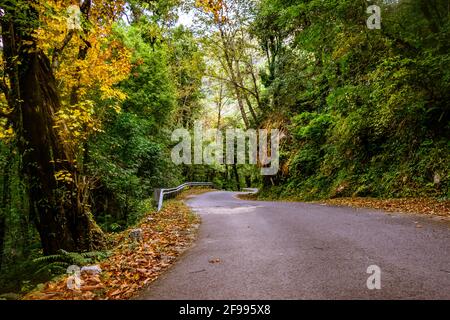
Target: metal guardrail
160,193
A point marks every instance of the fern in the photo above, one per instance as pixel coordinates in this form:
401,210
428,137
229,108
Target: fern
58,263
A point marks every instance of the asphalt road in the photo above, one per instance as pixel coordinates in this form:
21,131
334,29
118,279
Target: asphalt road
273,250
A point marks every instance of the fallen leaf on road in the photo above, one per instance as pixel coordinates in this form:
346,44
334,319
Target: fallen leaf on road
213,261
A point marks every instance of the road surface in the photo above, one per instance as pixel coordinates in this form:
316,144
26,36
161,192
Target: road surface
273,250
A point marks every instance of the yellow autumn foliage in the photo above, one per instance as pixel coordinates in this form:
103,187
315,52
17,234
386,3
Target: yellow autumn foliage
215,7
106,63
6,131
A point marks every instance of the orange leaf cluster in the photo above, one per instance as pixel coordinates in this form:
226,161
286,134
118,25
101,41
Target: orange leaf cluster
405,205
133,265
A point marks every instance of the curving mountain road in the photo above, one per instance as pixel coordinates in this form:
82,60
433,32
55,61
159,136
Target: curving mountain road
276,250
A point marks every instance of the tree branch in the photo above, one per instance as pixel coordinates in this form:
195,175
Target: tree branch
85,10
61,49
233,82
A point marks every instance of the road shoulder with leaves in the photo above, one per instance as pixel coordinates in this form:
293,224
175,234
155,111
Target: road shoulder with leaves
133,264
424,206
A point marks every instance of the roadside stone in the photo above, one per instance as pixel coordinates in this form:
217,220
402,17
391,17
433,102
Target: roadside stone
136,235
93,270
437,179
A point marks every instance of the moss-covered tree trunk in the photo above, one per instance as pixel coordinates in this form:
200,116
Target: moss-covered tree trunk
62,220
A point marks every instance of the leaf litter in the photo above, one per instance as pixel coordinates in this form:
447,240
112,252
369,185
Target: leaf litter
133,264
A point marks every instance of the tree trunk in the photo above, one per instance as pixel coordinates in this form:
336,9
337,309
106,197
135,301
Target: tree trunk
2,238
248,181
252,110
241,85
5,203
226,177
232,75
3,207
236,175
61,220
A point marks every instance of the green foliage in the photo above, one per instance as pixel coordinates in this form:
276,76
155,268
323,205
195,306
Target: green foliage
122,163
367,110
57,264
132,156
150,90
366,113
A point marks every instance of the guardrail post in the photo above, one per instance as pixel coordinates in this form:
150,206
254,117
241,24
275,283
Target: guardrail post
156,195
